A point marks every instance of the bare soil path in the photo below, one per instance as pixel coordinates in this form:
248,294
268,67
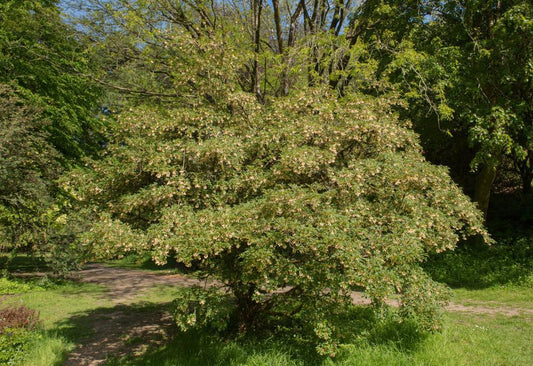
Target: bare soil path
127,328
130,328
124,285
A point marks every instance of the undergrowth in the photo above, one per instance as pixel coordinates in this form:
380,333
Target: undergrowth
18,329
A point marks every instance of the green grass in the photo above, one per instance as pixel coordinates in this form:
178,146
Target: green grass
67,309
159,294
48,350
496,296
200,349
61,301
466,340
56,300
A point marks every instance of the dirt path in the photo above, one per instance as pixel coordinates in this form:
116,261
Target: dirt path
491,307
124,285
129,328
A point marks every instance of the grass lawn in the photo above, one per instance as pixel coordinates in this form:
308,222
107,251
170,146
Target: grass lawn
467,339
68,310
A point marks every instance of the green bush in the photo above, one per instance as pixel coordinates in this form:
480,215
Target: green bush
15,344
290,205
199,308
18,328
8,286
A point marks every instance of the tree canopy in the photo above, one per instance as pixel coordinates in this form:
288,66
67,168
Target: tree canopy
49,120
312,193
47,61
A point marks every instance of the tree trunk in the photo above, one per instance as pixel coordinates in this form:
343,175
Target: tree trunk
247,310
526,173
256,84
483,187
526,181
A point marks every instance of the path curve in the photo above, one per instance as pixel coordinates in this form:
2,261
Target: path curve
124,284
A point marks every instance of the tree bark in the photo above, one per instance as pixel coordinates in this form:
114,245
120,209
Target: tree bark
526,173
483,187
257,10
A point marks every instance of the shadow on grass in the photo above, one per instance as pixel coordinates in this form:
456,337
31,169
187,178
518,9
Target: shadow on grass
144,334
509,261
145,262
115,331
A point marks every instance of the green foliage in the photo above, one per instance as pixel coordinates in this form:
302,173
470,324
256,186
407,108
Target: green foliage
291,205
15,344
32,211
28,166
482,54
8,286
508,261
42,55
49,121
14,285
199,308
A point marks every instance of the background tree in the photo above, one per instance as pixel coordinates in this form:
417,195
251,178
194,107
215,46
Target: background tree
28,167
45,58
463,67
49,122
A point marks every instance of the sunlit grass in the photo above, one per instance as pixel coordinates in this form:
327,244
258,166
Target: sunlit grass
56,301
514,296
466,339
48,350
61,302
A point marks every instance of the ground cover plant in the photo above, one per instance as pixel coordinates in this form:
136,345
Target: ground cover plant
17,330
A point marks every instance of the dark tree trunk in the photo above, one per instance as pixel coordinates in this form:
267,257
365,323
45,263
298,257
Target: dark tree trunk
256,84
484,181
247,310
526,173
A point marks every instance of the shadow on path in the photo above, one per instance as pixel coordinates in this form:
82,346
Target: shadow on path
118,331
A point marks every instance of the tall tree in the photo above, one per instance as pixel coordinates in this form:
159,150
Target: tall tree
28,167
45,58
308,192
464,67
49,109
